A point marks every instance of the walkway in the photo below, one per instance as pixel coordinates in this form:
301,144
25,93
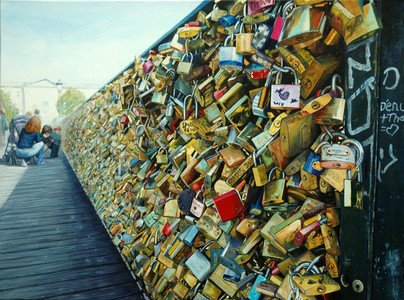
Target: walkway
52,243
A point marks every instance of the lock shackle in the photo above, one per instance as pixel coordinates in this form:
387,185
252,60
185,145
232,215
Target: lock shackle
162,148
287,9
157,236
335,134
359,147
272,171
171,72
215,7
206,246
238,24
186,55
269,78
327,132
245,10
334,80
319,146
289,69
140,130
185,107
226,41
198,193
337,89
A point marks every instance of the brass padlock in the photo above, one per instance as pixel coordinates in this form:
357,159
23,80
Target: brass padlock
274,190
162,157
244,41
185,68
259,171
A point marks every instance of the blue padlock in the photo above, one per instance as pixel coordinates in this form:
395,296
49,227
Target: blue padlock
261,36
312,164
228,58
228,20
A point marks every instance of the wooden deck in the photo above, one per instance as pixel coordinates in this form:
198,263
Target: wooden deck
52,243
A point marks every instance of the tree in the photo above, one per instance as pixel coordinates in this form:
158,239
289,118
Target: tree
9,105
69,100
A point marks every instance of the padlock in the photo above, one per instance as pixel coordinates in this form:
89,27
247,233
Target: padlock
228,20
258,6
199,264
319,72
317,284
261,99
228,205
274,190
341,19
312,164
296,134
148,66
217,13
228,57
299,61
259,171
279,159
261,36
185,68
245,137
278,26
244,41
232,157
285,96
303,27
197,206
254,294
302,234
366,24
162,157
333,113
340,156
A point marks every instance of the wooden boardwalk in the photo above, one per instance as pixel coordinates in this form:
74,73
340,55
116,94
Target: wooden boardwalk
52,243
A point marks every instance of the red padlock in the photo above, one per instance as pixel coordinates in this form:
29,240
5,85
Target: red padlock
148,66
124,119
166,230
228,205
259,74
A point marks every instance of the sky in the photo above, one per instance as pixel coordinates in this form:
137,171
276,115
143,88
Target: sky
82,43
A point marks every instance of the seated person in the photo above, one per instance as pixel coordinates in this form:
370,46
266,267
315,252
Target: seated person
57,140
30,142
47,140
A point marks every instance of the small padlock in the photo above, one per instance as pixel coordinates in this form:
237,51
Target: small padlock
217,13
197,206
228,57
260,100
162,157
244,41
285,96
185,68
228,20
259,171
312,164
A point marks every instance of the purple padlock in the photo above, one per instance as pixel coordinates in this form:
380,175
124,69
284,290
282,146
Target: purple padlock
148,66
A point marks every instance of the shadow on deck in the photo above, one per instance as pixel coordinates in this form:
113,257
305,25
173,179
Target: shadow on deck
52,243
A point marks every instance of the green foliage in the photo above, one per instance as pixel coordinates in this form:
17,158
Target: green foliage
69,100
9,106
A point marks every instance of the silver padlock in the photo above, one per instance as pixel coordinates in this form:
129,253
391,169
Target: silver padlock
199,264
228,58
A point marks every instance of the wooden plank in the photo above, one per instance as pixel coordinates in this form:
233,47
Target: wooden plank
53,244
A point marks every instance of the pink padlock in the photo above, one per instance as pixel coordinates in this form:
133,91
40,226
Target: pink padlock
278,25
148,66
259,6
218,94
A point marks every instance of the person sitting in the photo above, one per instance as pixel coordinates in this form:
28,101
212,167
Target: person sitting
57,141
30,142
48,141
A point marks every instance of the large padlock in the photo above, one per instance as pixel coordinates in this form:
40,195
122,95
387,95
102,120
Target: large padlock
333,113
341,19
285,96
259,6
228,205
261,36
162,157
339,156
244,41
228,57
303,27
259,171
185,67
199,264
297,133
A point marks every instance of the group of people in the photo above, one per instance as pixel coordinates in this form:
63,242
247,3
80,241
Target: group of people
34,142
